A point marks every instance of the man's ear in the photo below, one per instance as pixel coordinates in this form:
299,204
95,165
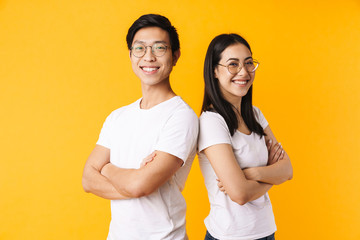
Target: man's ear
176,56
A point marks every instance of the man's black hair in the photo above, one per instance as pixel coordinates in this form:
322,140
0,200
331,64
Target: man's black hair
154,20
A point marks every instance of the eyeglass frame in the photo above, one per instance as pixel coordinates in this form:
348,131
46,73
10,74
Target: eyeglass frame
151,47
227,66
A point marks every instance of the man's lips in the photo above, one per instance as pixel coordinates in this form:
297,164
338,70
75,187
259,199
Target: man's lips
149,69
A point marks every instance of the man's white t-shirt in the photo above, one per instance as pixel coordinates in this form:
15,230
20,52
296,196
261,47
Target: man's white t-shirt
131,134
227,219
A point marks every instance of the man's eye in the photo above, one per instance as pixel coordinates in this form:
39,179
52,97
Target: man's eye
160,48
139,48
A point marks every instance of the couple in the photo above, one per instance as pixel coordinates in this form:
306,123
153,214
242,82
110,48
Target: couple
145,150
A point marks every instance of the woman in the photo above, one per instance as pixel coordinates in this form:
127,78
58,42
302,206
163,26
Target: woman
239,156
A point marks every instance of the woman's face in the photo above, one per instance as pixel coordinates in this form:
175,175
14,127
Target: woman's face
234,86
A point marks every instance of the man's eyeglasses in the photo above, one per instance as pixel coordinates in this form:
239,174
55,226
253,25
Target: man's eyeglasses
235,67
139,49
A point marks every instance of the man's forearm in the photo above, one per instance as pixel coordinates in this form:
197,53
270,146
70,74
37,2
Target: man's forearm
123,180
96,183
135,183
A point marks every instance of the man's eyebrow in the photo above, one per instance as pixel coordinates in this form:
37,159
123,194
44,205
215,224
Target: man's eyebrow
143,42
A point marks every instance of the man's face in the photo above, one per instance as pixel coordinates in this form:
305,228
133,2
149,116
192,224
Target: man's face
151,69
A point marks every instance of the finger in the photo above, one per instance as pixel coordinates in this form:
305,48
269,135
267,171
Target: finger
144,162
221,187
152,156
273,151
282,155
148,159
278,153
268,144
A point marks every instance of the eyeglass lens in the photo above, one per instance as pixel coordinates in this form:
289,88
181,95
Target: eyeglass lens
236,67
139,50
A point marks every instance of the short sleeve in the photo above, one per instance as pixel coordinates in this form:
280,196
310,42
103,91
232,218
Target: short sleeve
213,130
260,117
179,135
104,137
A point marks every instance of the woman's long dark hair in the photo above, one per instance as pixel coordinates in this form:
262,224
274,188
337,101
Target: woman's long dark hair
213,99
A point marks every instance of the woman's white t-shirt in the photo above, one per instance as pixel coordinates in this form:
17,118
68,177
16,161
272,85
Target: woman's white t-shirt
227,219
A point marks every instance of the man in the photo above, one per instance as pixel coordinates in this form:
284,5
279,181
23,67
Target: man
145,150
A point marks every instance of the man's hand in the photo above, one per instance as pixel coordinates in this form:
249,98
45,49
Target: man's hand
147,159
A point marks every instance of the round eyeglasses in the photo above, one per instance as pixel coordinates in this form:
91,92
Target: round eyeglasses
235,67
139,49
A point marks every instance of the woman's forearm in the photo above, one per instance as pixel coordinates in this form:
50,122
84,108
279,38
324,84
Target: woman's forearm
276,173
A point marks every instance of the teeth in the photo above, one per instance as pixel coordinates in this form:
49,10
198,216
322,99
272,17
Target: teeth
240,82
147,69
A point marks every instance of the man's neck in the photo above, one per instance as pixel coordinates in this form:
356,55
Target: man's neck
153,95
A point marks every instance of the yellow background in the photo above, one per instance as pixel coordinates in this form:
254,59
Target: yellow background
64,67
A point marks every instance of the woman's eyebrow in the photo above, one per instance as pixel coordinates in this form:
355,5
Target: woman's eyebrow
236,59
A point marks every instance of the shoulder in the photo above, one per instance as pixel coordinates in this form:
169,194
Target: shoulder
183,111
259,116
213,122
256,110
213,130
117,113
211,118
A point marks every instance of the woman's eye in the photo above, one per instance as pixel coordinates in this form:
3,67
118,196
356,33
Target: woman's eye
249,63
234,64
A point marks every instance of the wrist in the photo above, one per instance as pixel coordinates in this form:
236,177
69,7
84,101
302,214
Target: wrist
252,174
257,174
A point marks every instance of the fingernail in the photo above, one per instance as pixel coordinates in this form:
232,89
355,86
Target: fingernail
270,141
280,144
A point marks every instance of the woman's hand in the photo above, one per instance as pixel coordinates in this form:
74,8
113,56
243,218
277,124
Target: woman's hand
147,159
276,152
221,186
